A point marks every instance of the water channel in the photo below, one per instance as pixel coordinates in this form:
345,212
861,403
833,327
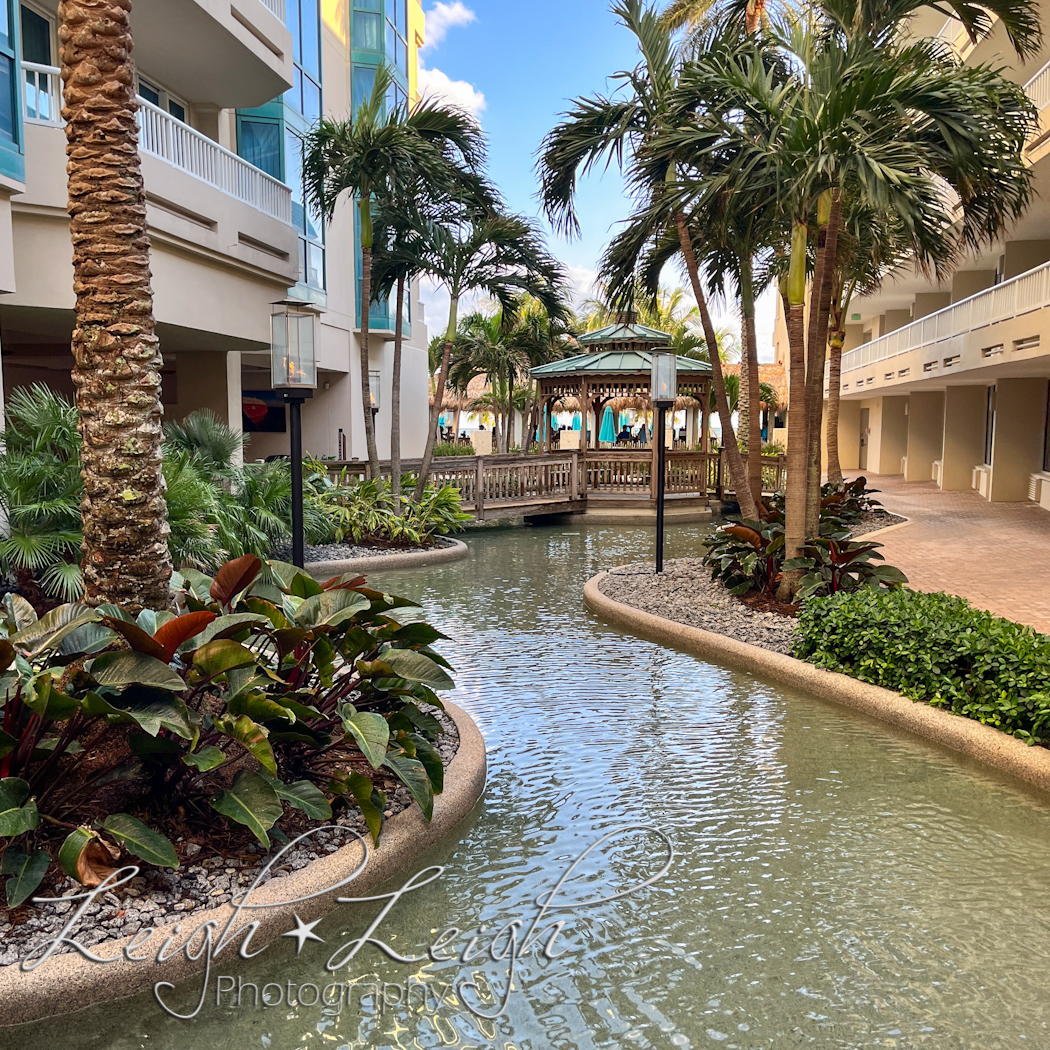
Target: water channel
835,884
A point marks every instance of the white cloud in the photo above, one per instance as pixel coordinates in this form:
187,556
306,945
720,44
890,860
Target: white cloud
441,17
434,84
583,283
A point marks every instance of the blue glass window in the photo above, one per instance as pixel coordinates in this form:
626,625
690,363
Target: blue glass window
364,82
36,38
259,143
367,32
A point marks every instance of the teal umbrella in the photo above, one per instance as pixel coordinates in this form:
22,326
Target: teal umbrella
576,422
608,431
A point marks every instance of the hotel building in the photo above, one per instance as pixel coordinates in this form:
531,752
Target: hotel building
226,88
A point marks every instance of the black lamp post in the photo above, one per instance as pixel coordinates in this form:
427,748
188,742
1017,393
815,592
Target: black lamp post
664,390
293,362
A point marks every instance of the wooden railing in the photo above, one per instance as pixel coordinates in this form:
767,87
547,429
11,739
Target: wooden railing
489,483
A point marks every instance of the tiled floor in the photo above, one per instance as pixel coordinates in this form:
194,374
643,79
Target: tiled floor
995,554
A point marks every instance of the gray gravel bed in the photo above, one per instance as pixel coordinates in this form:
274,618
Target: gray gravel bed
162,896
687,594
873,520
346,551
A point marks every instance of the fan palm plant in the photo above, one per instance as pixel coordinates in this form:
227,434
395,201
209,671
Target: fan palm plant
384,150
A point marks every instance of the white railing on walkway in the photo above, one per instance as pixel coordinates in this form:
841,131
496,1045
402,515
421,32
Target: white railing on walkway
42,87
178,144
161,135
1022,294
276,6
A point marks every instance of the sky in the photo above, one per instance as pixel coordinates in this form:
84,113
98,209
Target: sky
517,65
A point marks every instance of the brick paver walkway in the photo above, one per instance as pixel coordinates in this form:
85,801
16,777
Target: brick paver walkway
997,555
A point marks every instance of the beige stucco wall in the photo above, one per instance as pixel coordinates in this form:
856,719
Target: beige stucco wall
965,411
925,434
1020,432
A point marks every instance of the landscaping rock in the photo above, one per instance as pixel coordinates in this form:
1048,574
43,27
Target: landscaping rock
686,594
347,551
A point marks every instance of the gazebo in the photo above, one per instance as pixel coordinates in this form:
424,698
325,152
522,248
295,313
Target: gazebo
618,365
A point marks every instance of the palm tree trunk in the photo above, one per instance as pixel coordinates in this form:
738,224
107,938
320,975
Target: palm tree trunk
817,349
794,296
395,400
527,426
116,353
439,396
736,462
749,390
795,499
366,306
835,341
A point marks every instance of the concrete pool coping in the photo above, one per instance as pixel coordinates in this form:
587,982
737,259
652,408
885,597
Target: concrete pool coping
379,562
69,982
983,743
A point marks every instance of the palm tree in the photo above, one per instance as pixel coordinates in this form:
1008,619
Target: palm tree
502,256
808,114
116,353
386,151
622,128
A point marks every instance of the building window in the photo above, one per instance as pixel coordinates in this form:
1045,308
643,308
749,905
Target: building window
397,34
36,37
989,426
259,143
162,99
9,122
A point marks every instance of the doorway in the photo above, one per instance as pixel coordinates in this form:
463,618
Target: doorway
865,430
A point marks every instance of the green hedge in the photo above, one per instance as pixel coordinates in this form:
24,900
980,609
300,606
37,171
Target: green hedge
935,648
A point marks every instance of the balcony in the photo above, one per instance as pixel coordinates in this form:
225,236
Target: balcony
161,135
974,332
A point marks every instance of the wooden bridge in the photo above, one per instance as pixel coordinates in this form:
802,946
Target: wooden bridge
569,482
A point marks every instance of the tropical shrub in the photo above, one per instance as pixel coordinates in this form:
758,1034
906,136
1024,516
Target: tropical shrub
217,507
254,697
935,648
450,448
364,511
832,565
748,555
41,489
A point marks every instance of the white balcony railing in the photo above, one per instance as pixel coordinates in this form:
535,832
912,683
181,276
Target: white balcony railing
178,144
1020,295
43,93
276,6
161,135
1038,88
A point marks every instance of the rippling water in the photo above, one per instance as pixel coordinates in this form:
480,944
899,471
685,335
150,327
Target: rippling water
835,884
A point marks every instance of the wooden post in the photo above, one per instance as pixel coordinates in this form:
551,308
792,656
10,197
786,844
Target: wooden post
479,488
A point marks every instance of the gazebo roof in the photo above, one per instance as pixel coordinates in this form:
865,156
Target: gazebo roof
615,362
621,332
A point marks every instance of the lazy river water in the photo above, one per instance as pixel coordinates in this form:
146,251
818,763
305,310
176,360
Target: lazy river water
835,884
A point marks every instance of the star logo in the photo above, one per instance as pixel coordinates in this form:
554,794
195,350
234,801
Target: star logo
303,932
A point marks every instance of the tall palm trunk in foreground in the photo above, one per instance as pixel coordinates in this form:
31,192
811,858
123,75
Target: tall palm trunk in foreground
115,350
